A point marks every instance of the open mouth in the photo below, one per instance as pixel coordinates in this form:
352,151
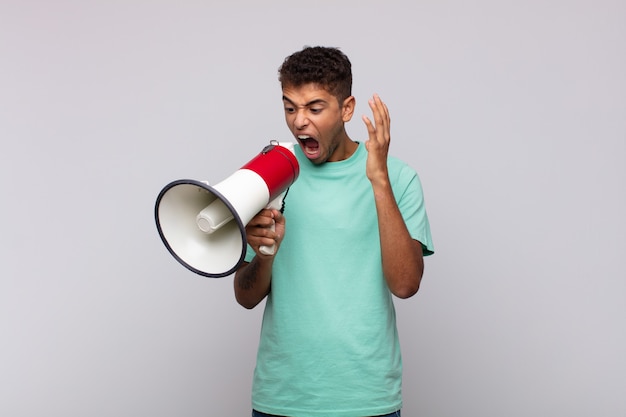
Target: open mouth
310,146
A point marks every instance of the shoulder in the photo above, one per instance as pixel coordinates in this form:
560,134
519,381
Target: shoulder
399,170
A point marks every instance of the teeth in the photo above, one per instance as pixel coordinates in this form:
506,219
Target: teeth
303,137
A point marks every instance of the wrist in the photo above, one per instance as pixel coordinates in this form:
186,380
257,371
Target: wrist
380,182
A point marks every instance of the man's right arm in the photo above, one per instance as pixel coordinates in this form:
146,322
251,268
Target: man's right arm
253,281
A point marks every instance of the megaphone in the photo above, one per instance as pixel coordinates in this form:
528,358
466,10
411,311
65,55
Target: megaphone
203,226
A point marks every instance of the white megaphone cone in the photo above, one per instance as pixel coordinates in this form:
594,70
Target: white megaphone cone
203,226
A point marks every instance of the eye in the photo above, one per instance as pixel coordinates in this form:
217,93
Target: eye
289,109
315,110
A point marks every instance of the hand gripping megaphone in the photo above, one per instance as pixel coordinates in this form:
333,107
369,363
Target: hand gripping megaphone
203,226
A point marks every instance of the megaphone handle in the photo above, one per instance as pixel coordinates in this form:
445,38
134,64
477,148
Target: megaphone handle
268,250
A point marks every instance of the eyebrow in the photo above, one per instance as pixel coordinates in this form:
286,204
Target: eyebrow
310,103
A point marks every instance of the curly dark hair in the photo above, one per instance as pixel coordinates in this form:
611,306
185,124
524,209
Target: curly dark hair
326,66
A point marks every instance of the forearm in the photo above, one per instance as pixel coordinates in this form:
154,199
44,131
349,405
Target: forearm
402,259
253,281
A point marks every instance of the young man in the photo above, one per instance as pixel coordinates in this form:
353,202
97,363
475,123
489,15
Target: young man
356,234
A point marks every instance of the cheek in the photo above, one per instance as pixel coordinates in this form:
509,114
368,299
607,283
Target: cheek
333,128
326,125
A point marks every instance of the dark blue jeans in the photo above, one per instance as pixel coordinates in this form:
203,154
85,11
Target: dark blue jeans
260,414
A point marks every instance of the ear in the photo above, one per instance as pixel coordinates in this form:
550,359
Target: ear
347,109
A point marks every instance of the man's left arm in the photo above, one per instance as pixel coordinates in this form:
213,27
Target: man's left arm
402,258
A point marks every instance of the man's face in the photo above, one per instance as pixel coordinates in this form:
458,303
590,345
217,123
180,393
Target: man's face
316,119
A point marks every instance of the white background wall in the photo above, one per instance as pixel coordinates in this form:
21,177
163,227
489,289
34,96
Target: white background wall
513,113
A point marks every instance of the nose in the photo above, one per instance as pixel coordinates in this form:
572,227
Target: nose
300,120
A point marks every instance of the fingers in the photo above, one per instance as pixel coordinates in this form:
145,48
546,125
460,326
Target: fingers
379,130
380,111
378,142
265,229
264,218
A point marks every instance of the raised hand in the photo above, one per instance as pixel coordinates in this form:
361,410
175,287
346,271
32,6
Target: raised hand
377,144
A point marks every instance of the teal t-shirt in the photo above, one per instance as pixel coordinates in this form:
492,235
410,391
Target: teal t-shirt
329,343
